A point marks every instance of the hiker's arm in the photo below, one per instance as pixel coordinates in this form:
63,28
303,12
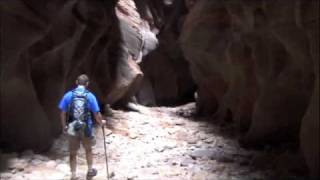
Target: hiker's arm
96,110
99,118
63,119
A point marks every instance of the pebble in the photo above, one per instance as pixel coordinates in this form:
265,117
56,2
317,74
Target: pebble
51,164
63,167
186,162
192,141
160,149
209,140
132,177
133,136
203,136
35,162
179,123
202,153
18,164
40,157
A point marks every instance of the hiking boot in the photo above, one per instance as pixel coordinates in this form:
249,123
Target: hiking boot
92,172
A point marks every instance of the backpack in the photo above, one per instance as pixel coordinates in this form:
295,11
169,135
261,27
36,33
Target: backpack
78,109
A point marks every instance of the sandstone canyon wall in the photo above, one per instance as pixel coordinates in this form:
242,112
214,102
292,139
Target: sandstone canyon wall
258,60
45,45
167,77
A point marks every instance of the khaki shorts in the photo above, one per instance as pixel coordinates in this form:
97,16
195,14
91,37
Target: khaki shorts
74,143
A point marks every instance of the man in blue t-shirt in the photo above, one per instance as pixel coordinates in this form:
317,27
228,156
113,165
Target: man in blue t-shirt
87,137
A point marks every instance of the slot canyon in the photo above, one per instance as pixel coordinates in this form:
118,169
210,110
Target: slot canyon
190,89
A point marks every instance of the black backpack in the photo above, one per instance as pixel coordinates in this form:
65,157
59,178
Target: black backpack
78,109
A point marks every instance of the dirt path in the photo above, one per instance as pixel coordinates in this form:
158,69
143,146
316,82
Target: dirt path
155,143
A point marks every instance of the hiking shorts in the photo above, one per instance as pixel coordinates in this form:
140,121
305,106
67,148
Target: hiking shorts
74,143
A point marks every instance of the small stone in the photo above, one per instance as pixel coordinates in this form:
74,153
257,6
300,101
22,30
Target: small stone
51,164
218,168
63,167
18,164
170,145
132,177
35,162
194,132
172,173
199,144
133,136
155,172
192,141
13,171
172,131
203,136
160,149
202,153
179,123
40,157
209,140
149,164
186,162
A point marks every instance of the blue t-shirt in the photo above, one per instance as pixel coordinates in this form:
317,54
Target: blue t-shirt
92,106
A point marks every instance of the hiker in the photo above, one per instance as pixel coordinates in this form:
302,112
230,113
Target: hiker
77,107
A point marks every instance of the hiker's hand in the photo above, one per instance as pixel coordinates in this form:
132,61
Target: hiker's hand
103,122
65,130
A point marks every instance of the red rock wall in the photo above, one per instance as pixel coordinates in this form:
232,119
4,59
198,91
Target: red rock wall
45,45
256,59
167,79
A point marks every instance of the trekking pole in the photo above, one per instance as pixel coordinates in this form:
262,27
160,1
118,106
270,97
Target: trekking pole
105,150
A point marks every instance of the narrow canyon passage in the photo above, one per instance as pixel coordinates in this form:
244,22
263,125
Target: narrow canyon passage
153,143
197,89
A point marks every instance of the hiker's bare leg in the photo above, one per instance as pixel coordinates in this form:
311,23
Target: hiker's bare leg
88,148
89,158
74,144
73,163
